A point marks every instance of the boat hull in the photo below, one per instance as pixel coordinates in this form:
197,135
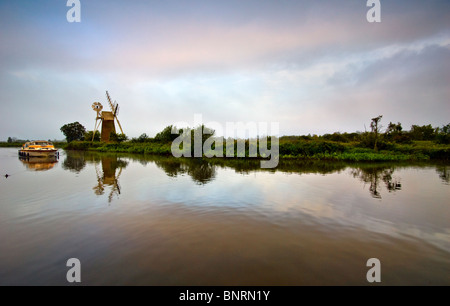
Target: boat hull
38,153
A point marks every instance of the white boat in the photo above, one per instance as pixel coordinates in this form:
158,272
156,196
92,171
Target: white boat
38,148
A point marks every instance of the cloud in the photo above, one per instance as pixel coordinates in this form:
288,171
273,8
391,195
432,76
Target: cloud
315,67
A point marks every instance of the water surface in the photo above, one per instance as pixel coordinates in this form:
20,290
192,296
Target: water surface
135,220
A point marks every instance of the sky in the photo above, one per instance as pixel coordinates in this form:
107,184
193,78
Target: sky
314,67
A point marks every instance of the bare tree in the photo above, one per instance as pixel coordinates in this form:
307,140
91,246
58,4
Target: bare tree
376,128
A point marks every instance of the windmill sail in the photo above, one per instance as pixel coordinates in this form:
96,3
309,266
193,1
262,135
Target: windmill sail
97,107
114,109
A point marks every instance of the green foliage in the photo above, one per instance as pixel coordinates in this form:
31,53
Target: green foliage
307,150
142,138
88,136
394,144
341,137
443,136
82,145
200,132
14,140
73,131
166,134
114,137
13,144
393,128
424,132
370,140
394,133
310,148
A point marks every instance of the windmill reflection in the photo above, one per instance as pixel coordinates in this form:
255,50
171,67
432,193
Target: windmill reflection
107,176
376,176
108,169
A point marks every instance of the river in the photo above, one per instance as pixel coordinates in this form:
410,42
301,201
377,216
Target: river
148,220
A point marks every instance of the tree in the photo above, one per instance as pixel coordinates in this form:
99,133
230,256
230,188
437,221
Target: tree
166,135
444,134
424,132
142,138
376,128
73,131
394,128
88,136
393,131
202,132
117,137
9,140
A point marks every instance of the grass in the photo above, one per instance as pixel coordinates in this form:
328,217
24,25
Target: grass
125,147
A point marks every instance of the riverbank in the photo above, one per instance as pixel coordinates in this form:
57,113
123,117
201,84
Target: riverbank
20,144
301,149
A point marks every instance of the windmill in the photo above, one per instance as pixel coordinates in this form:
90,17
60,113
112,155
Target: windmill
106,118
96,106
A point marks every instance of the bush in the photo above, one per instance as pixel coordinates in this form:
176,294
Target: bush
336,137
310,148
141,139
88,136
166,135
424,132
117,137
443,137
368,141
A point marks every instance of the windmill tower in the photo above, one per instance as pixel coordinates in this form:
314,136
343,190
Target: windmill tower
106,118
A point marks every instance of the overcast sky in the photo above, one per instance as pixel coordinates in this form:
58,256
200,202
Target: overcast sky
313,66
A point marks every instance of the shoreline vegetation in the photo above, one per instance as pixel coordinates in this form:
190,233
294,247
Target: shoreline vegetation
292,149
17,144
418,144
289,148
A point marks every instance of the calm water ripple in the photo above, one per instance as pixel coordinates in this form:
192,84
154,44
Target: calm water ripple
145,220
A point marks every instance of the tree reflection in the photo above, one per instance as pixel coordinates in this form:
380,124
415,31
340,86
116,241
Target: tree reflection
204,170
444,173
376,176
171,166
200,170
74,162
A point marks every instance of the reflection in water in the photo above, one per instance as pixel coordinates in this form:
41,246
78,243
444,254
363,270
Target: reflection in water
106,176
303,223
204,170
109,177
74,161
375,176
39,163
200,170
444,173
